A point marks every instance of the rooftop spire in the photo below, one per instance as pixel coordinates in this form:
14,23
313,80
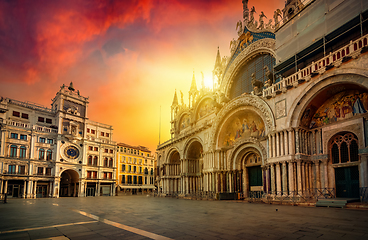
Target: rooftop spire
218,58
194,84
175,101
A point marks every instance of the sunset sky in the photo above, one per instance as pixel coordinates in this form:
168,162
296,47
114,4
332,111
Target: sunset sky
128,56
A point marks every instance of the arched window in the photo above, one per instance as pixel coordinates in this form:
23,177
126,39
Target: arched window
13,151
41,154
22,152
95,161
49,155
243,80
89,160
344,148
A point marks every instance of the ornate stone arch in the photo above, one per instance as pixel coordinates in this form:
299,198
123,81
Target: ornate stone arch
70,170
180,117
234,155
170,152
244,102
261,46
198,105
358,77
189,142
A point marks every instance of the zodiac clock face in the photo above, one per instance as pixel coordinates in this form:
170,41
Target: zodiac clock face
71,152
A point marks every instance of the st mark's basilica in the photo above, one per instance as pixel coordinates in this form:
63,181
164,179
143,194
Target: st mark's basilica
287,118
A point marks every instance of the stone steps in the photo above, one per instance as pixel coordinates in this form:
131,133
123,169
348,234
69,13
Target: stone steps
335,202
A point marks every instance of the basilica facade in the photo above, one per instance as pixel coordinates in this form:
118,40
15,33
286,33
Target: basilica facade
287,116
55,152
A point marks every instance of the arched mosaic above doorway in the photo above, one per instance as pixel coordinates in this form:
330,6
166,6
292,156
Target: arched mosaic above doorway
241,125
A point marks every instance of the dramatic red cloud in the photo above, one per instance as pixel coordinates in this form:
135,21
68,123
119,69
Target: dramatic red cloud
127,56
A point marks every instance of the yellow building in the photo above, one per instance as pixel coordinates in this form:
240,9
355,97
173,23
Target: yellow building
135,169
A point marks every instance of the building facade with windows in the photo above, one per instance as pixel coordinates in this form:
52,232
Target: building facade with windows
57,151
287,118
135,170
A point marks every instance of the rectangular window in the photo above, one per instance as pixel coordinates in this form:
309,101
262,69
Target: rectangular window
134,169
41,119
102,134
89,174
135,161
107,135
140,169
23,137
122,178
16,114
25,115
96,149
123,167
14,135
129,179
88,130
48,171
129,168
40,171
140,180
90,148
106,150
140,161
94,174
11,169
48,120
134,179
111,151
50,141
21,169
110,162
42,140
93,131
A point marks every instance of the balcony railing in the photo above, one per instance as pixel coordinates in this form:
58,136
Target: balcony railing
334,59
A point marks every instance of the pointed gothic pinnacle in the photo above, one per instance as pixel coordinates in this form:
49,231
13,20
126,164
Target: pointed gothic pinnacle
194,84
175,101
218,58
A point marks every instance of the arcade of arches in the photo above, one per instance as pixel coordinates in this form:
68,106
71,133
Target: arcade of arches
324,153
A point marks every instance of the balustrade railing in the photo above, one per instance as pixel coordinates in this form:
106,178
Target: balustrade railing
333,59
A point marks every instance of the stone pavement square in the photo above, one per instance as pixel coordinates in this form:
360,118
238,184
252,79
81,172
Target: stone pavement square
146,217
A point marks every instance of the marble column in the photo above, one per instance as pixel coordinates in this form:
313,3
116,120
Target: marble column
273,184
245,182
273,145
284,179
278,179
35,189
282,149
277,145
299,176
286,142
297,141
303,178
270,146
291,178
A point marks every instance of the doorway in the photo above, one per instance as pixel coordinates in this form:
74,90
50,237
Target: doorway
347,182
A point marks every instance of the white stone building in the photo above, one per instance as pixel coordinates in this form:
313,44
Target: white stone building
287,119
57,151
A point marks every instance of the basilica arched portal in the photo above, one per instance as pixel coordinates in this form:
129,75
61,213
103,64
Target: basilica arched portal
193,167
